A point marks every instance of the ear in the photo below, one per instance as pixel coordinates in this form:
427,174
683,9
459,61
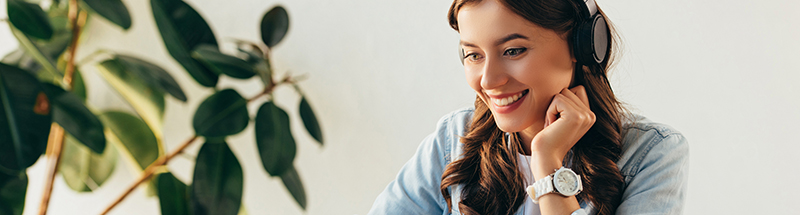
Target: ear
568,37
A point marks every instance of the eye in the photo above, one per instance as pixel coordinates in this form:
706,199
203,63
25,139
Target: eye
514,51
472,57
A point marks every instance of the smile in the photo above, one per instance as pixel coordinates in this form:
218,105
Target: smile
510,99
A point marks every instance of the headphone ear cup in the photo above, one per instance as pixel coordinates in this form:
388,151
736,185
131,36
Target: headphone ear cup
461,55
591,41
600,39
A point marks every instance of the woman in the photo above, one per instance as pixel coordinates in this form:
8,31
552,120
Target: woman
546,135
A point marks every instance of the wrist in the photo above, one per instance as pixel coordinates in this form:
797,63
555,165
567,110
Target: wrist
543,165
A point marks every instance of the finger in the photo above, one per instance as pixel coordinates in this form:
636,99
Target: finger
560,107
552,110
572,100
580,91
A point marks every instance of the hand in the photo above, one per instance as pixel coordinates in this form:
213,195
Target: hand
567,119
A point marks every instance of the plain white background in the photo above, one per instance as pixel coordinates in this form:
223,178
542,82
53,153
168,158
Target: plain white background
381,73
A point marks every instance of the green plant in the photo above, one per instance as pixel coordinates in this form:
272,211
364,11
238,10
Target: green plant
43,107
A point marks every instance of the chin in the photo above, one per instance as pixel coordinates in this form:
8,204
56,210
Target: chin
511,124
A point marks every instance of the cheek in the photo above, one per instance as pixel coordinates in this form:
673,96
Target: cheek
546,77
474,80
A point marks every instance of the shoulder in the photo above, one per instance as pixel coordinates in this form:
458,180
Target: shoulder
455,122
449,130
646,141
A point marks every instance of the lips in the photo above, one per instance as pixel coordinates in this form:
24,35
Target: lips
508,100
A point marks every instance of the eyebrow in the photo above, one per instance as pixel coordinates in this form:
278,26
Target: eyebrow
500,41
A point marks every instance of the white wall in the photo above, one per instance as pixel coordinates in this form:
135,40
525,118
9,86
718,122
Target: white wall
381,73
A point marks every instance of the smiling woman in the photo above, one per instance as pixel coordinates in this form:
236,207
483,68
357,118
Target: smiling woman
545,121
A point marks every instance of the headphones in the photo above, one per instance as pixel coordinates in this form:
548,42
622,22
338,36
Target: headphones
590,37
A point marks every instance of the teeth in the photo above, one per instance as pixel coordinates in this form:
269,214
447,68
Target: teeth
507,100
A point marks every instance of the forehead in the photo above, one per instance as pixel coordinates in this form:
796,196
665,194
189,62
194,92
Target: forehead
489,20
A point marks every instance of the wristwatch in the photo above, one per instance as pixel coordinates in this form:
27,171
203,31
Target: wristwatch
566,183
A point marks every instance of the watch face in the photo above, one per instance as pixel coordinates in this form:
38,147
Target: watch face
566,182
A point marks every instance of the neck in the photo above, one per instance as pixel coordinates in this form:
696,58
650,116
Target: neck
528,134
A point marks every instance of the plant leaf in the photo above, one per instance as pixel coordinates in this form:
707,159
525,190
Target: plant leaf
78,85
134,135
62,31
153,75
147,102
25,118
221,114
310,120
291,180
274,139
70,112
84,170
30,19
260,65
221,63
113,10
136,142
218,180
37,53
274,26
182,30
13,188
173,195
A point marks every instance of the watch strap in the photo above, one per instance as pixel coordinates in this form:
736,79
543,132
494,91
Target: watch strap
541,187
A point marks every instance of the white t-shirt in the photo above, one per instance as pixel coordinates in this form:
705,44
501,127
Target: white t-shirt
525,168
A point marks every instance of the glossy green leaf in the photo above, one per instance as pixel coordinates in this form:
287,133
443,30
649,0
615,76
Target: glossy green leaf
62,31
173,195
218,180
35,54
153,75
221,114
30,19
182,30
221,63
148,102
291,180
84,170
113,10
259,64
136,143
70,112
310,120
13,187
274,26
42,57
135,136
78,85
274,139
25,118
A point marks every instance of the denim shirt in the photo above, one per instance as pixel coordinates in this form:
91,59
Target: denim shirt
654,164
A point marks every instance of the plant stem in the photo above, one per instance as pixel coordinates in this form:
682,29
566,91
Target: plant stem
77,21
151,169
53,154
56,139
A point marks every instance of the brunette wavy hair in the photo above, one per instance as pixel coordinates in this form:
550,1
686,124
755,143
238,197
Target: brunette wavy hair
488,170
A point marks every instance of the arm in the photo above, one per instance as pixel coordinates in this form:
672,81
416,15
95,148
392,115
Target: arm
658,183
568,118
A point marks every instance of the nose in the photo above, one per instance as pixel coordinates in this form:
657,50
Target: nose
493,74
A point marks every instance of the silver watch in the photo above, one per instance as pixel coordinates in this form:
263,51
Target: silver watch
566,183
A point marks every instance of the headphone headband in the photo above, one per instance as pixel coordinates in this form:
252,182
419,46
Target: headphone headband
592,6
